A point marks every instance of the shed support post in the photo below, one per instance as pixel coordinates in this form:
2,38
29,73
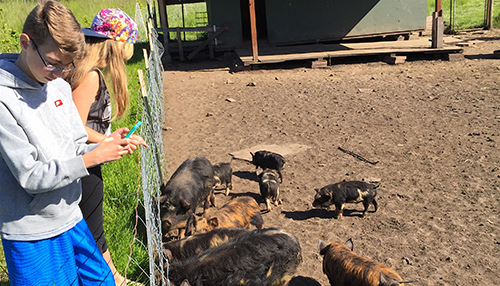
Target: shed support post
437,26
253,29
489,15
162,8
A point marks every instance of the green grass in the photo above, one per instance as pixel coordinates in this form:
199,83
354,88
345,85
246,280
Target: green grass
469,14
14,12
193,17
121,177
3,269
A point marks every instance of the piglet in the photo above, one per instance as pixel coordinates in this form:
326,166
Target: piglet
346,192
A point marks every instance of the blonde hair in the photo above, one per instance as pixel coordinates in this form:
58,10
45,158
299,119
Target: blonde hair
110,57
52,21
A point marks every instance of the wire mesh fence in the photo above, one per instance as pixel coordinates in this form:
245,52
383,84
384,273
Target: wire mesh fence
152,159
462,15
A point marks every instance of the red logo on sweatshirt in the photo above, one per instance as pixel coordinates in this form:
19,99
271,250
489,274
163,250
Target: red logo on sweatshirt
58,103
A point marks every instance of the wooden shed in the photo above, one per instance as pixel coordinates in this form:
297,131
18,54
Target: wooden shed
240,24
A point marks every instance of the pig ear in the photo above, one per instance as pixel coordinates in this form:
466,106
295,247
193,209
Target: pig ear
185,205
163,199
214,222
321,245
350,244
382,279
185,283
168,254
316,189
190,225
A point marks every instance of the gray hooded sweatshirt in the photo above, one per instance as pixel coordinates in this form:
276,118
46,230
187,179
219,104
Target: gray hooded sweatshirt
42,140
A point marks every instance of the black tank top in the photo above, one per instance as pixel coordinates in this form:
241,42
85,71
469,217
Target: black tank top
99,118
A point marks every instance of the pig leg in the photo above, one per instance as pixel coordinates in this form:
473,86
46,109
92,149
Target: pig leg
276,199
229,186
182,232
212,199
209,201
366,204
374,202
339,209
268,204
281,176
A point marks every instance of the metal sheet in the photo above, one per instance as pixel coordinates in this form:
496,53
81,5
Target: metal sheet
322,20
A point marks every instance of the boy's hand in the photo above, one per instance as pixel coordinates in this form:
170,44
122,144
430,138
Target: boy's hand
109,149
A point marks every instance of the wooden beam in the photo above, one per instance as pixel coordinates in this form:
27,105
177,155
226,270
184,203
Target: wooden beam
253,29
188,29
439,8
162,8
224,27
489,14
437,26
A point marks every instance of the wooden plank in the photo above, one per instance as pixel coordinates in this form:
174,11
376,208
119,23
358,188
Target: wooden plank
420,43
277,58
224,27
179,44
187,29
253,30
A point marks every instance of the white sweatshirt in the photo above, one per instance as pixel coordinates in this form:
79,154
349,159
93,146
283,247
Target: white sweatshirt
41,142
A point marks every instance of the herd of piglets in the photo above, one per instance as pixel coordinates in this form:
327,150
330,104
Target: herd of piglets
229,246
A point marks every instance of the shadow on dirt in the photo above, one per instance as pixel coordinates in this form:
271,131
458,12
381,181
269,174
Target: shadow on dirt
482,57
303,215
252,176
303,281
320,213
247,194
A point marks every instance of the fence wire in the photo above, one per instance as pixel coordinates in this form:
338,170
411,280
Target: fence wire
152,159
464,15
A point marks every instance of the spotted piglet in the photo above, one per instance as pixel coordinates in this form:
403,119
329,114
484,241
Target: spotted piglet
223,173
339,194
269,185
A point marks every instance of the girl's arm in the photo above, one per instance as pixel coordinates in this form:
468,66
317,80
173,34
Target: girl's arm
83,96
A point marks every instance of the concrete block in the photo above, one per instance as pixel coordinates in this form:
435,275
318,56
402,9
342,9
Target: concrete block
395,60
319,64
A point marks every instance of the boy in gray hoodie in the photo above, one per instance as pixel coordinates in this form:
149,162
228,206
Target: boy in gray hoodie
43,155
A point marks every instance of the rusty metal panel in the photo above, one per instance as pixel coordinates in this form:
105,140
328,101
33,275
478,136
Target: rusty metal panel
290,21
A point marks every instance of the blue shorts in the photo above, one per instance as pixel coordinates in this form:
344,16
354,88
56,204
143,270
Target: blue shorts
71,258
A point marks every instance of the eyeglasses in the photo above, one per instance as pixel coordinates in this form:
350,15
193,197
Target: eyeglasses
49,67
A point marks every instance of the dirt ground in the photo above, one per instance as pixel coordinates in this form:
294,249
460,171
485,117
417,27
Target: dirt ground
433,126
